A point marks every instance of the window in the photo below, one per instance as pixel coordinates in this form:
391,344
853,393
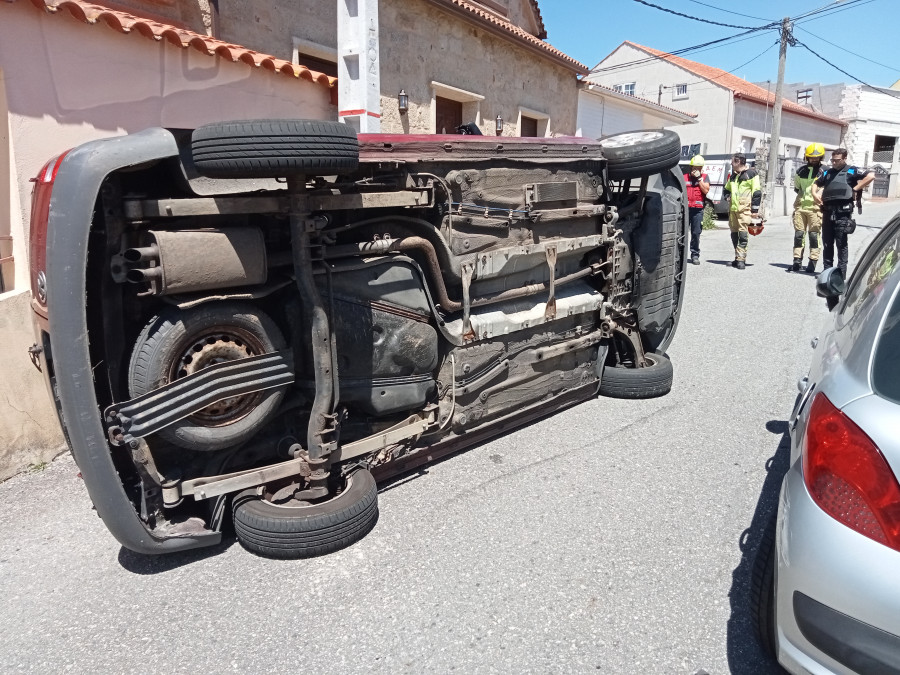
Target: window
792,151
315,57
804,96
680,91
883,150
617,87
628,89
747,144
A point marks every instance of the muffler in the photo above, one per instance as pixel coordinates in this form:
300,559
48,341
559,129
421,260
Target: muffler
187,261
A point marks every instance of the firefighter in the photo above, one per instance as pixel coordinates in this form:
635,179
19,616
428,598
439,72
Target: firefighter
836,190
697,184
746,196
807,213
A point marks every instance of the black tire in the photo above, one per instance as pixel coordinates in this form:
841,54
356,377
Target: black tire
274,148
634,154
762,591
634,383
280,531
180,342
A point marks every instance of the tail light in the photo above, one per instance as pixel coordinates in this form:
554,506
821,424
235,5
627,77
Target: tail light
847,475
40,212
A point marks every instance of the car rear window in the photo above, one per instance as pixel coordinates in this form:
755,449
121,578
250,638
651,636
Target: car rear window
886,364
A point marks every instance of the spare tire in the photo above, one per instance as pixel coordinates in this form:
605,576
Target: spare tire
180,342
634,154
274,148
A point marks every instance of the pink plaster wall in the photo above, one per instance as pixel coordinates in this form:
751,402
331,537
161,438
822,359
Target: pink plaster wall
67,82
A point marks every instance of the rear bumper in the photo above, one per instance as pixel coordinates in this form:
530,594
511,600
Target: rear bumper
72,203
837,598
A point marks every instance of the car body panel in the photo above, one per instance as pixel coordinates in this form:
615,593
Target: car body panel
816,555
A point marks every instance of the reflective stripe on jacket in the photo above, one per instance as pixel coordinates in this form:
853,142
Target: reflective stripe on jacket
803,182
745,191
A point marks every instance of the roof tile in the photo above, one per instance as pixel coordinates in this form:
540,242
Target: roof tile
515,31
740,87
124,22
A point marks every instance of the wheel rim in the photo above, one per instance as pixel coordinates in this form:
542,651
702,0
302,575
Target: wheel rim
218,345
630,138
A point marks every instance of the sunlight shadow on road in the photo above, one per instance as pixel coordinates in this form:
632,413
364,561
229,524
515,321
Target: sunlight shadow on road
745,655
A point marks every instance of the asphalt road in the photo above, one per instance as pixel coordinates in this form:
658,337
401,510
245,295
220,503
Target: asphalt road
616,536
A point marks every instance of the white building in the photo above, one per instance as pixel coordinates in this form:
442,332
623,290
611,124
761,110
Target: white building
603,111
733,114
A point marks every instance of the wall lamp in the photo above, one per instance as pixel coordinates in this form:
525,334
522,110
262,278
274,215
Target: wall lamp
402,102
498,125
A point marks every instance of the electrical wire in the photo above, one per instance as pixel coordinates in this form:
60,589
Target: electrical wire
828,8
843,48
697,18
852,77
728,11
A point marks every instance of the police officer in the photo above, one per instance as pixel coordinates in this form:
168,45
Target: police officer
836,190
697,184
746,195
807,213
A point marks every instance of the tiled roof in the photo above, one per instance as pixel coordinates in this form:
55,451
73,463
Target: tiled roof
126,23
513,31
645,101
542,30
740,87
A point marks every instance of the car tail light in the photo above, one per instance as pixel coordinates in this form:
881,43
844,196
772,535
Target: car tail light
40,212
847,475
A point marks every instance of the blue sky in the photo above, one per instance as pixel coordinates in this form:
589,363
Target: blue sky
588,30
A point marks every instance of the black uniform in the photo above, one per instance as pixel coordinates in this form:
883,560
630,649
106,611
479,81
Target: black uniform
837,212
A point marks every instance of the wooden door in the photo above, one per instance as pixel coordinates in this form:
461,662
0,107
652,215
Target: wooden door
447,115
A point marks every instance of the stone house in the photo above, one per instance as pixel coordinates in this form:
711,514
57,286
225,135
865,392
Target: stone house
70,72
456,61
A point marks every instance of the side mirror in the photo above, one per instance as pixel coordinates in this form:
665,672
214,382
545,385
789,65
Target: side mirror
830,285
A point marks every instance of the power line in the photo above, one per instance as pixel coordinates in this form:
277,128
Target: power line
853,4
696,18
728,11
852,77
824,8
677,52
842,47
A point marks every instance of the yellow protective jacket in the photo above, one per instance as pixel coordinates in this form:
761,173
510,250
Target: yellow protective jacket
745,191
803,182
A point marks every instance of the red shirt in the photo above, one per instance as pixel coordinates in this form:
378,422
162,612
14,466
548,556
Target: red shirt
694,193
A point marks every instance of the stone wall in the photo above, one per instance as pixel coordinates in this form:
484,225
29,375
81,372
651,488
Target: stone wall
422,45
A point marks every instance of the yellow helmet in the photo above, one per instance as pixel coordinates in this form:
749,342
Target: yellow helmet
697,160
815,151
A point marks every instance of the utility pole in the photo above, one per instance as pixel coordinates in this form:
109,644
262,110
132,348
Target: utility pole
772,161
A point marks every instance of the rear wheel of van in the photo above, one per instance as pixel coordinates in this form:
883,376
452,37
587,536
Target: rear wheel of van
634,154
290,529
274,148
